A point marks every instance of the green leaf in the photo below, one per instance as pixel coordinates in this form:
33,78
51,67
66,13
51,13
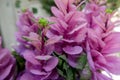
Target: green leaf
81,61
63,57
64,69
47,4
65,66
70,74
61,73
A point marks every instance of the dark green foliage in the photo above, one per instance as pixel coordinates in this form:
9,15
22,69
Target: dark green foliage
64,69
19,61
70,73
47,5
34,10
113,4
17,3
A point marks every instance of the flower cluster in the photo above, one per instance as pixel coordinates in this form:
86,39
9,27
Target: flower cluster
74,44
72,33
35,49
102,42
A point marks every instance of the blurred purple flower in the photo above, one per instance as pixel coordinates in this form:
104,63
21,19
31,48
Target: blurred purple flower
69,24
7,64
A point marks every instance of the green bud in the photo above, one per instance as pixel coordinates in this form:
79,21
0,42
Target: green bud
43,22
24,9
109,11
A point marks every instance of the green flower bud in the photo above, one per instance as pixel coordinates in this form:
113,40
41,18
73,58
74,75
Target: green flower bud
24,9
109,11
43,22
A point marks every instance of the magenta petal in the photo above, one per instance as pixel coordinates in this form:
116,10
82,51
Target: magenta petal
72,50
81,35
69,16
51,64
61,6
99,58
49,34
57,13
30,57
78,28
27,76
98,23
63,24
53,40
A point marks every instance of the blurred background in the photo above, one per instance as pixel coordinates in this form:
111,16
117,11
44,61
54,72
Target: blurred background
10,9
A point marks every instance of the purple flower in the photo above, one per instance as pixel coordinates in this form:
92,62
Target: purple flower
40,64
70,24
102,43
7,64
